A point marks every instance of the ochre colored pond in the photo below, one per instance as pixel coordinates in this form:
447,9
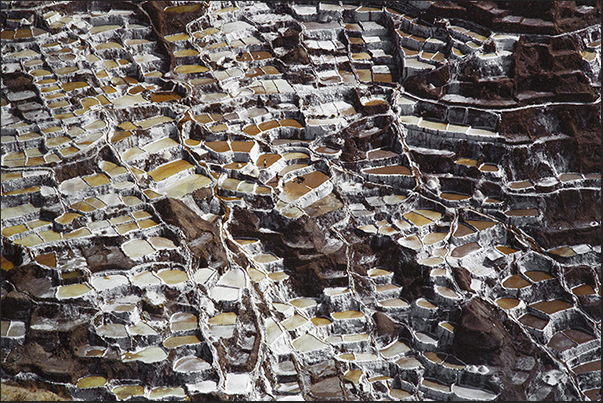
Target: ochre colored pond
507,303
166,96
389,170
516,281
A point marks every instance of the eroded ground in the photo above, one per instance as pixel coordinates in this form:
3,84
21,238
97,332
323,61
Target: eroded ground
269,201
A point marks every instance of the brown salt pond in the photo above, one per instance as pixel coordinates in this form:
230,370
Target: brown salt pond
447,292
177,341
561,342
488,168
533,321
169,169
347,315
48,259
506,250
436,386
190,69
91,382
507,303
434,237
552,306
412,242
570,177
537,275
592,366
583,289
423,303
481,224
520,185
464,250
454,196
389,170
515,281
126,391
466,161
165,96
266,160
417,219
564,251
462,230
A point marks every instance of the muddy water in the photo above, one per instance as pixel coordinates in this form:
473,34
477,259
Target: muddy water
464,250
551,306
507,303
515,281
161,97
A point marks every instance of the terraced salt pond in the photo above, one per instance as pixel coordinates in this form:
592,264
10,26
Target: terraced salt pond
251,201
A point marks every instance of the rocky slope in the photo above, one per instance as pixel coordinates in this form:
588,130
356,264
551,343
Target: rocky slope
287,201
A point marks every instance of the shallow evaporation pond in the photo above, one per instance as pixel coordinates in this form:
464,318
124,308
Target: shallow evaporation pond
226,318
278,276
564,251
533,321
464,250
112,330
394,303
147,355
91,382
552,306
409,363
454,196
307,343
220,293
347,315
394,349
375,272
434,237
417,219
173,277
583,289
183,321
389,170
412,242
145,279
177,341
106,282
265,258
506,249
447,292
255,275
166,391
537,275
233,278
471,393
126,391
423,303
294,322
137,248
72,291
516,281
430,261
336,291
303,303
507,303
141,329
481,224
